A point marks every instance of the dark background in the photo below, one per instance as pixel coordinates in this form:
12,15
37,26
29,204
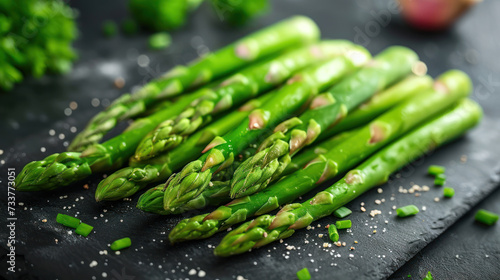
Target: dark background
444,239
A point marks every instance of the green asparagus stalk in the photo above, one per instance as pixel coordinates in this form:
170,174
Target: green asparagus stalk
373,172
127,181
219,154
304,157
152,200
291,32
215,195
274,153
233,91
365,113
448,89
63,169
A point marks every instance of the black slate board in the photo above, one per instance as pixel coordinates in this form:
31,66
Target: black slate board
37,106
467,248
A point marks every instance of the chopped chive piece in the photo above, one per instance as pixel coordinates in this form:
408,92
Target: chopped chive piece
440,180
436,170
343,224
160,41
109,28
441,176
68,221
84,229
303,274
333,233
342,212
448,192
121,244
408,210
486,217
428,276
130,27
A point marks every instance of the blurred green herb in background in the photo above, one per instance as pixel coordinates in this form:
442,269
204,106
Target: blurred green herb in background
239,12
35,38
168,15
162,15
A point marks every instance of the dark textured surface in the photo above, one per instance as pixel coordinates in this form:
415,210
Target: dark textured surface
467,248
37,106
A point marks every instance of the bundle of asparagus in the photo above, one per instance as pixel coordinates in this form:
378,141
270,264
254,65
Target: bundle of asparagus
307,112
339,159
63,169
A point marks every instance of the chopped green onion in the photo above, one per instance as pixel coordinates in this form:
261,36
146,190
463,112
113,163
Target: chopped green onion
486,217
440,180
303,274
342,212
130,27
428,276
408,210
68,221
109,28
343,224
436,170
84,229
448,192
333,233
160,41
121,244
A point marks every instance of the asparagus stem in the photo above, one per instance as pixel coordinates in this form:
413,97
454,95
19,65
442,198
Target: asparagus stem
127,181
291,32
448,89
233,91
219,154
326,110
152,200
374,171
365,113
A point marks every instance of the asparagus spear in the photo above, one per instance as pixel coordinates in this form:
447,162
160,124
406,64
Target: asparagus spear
238,88
448,89
152,200
377,105
127,181
196,176
375,171
291,32
66,168
289,137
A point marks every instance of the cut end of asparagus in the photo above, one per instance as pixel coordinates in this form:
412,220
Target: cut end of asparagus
194,228
186,185
54,171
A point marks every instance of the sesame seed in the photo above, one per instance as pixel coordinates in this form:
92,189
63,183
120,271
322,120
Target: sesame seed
95,102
